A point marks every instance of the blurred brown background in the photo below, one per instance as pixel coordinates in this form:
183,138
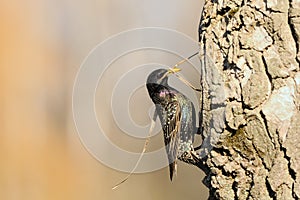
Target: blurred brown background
42,44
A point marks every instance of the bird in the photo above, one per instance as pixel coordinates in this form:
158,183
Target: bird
177,117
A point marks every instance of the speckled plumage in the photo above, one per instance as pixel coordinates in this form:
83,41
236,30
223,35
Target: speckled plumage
177,116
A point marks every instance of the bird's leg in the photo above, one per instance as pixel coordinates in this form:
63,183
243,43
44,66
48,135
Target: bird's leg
199,132
199,129
197,148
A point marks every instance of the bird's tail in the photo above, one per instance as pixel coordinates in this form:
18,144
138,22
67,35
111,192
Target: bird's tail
173,169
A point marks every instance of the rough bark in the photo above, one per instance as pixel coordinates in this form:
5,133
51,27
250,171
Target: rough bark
251,98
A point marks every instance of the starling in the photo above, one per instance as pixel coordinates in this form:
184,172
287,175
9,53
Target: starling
177,117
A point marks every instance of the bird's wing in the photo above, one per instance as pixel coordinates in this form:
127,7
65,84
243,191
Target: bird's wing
170,120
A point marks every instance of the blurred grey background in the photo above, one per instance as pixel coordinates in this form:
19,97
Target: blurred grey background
43,43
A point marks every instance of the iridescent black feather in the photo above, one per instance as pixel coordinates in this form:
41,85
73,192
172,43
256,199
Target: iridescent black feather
178,120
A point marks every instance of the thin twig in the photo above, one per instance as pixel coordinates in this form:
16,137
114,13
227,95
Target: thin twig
144,150
180,77
187,83
185,59
154,118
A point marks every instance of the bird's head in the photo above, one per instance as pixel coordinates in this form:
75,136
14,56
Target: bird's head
160,76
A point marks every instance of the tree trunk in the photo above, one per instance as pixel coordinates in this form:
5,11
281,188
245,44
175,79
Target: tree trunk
251,98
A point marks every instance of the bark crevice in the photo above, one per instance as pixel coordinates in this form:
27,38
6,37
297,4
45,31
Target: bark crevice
253,48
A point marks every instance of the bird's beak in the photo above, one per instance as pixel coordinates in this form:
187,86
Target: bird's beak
170,71
174,70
